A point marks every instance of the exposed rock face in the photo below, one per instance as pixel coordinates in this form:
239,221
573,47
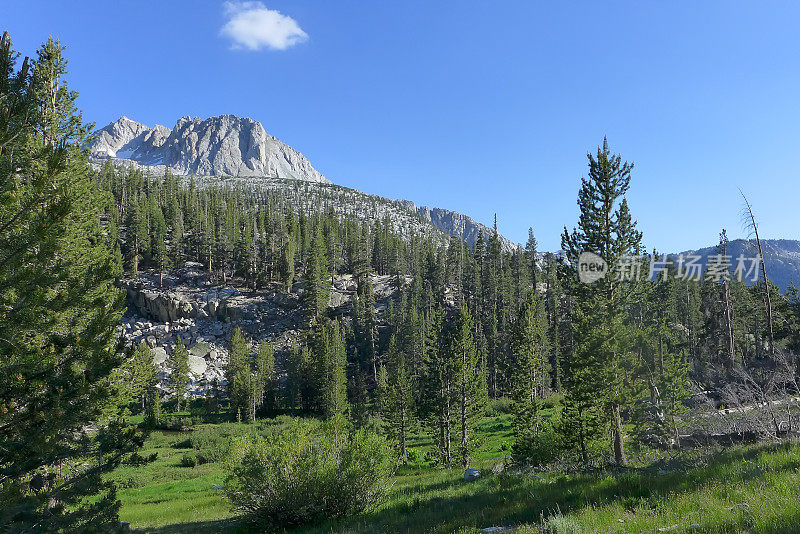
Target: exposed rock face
219,146
457,224
205,315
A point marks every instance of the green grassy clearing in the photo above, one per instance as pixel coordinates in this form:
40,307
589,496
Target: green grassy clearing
752,489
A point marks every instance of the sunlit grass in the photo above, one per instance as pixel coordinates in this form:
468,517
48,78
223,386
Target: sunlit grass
752,489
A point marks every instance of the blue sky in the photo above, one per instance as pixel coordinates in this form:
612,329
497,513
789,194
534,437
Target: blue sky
479,107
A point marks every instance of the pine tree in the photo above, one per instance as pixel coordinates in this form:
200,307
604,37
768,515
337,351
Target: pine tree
398,398
365,323
530,378
662,350
138,235
469,387
334,374
603,338
531,257
267,380
438,388
286,267
179,379
555,310
316,279
142,375
152,414
294,378
58,310
176,238
382,391
159,243
359,401
239,377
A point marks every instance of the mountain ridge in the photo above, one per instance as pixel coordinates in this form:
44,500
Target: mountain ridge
225,145
781,258
231,149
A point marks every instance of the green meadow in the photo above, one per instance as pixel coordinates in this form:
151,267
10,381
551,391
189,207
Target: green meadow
753,488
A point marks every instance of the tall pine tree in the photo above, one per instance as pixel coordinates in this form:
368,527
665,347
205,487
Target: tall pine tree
602,334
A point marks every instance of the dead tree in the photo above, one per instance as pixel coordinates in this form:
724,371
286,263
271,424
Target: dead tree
751,223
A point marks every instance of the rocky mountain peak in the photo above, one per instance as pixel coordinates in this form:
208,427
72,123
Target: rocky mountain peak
226,145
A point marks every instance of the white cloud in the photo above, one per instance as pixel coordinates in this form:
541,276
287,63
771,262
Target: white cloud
251,25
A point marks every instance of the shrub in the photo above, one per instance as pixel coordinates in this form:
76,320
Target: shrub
500,406
307,471
416,457
135,459
184,444
553,401
188,460
562,524
537,449
214,441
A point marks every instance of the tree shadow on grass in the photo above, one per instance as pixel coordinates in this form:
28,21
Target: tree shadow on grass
228,526
509,500
516,499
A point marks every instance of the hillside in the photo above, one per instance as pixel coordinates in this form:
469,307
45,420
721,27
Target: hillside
781,257
230,151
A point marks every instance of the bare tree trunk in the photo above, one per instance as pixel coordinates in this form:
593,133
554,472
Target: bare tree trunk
767,299
619,445
403,424
582,435
464,432
729,324
677,434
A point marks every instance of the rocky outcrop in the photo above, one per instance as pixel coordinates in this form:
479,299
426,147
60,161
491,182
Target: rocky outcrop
204,315
457,224
218,146
462,226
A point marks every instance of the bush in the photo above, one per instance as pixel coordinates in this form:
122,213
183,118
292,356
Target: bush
174,423
184,444
307,471
553,401
214,441
416,457
537,449
135,459
500,406
561,524
188,460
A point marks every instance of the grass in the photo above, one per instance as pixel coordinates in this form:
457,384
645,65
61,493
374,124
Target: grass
162,492
753,489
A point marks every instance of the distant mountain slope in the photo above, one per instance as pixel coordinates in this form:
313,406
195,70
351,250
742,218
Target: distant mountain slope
310,197
781,257
459,225
218,146
235,151
404,217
